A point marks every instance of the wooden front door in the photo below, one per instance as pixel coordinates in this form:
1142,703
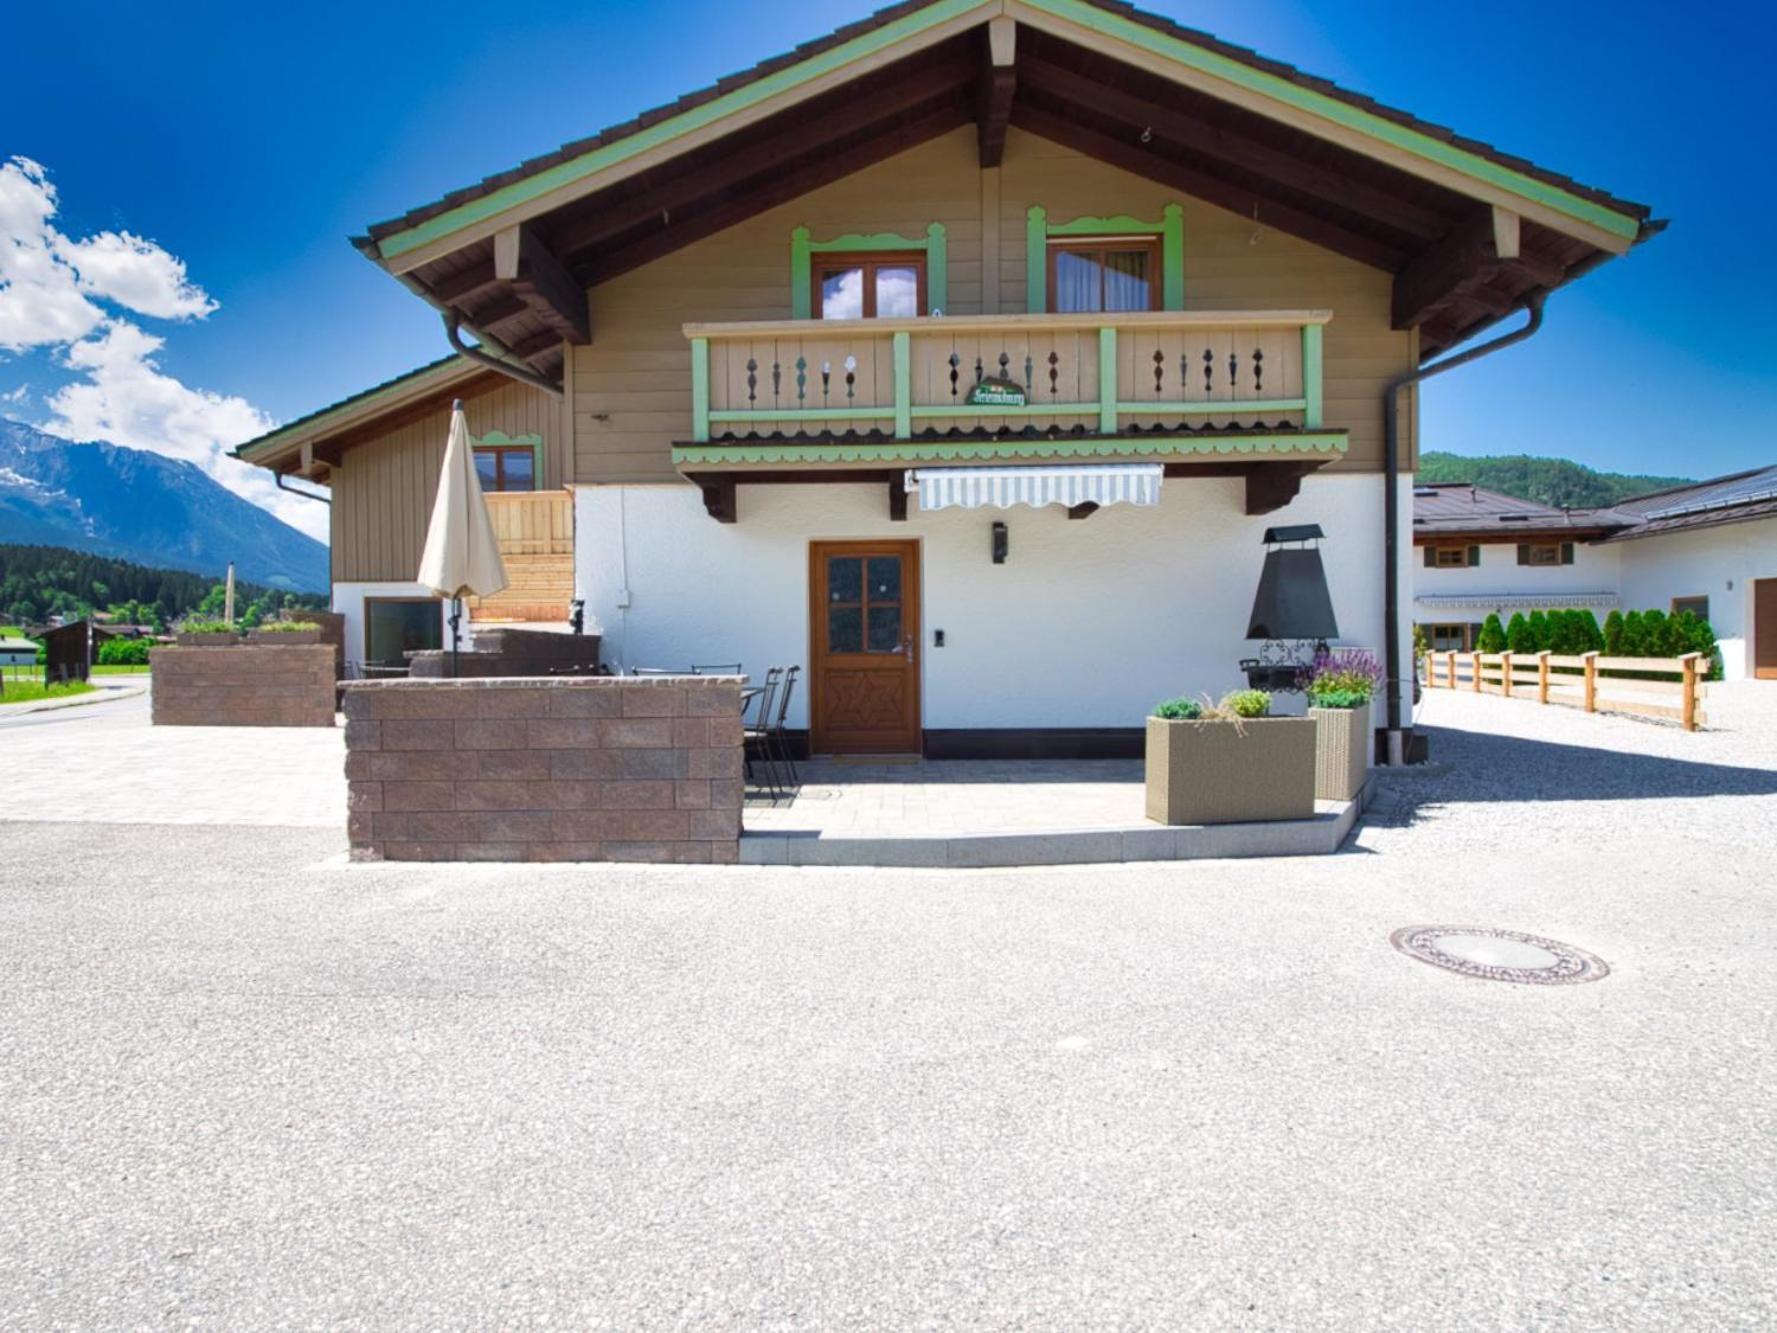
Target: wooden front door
1764,629
864,626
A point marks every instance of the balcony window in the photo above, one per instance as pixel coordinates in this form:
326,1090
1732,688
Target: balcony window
506,468
1094,276
870,287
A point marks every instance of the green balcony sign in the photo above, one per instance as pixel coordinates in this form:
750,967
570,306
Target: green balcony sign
996,393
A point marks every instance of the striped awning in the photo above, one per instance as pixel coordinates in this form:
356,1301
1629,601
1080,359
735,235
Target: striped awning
1003,487
1519,601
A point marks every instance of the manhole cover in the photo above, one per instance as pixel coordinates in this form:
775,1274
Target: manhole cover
1499,955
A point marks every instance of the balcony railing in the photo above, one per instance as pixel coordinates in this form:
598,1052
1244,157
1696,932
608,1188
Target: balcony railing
535,531
1106,372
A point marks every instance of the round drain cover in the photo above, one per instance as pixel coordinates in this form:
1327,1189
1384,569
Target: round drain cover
1499,955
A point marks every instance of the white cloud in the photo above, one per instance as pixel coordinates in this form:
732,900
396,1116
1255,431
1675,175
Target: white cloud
50,289
18,396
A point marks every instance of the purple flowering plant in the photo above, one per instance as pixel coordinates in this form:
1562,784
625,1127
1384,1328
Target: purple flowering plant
1343,678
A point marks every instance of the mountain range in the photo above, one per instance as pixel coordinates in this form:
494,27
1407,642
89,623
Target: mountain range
1550,481
144,507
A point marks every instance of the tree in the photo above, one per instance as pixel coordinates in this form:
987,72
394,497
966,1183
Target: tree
1539,631
1492,638
1518,638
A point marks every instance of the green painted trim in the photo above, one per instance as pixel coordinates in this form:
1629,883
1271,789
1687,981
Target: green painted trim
665,131
700,388
937,268
414,382
1029,410
805,414
1107,380
1036,260
1312,373
935,245
903,345
801,276
499,439
1172,257
1341,113
1213,409
719,456
1038,229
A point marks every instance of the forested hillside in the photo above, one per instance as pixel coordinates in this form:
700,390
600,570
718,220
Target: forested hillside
1550,481
37,582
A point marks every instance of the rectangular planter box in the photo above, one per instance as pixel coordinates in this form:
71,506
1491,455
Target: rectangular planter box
1341,752
209,639
288,638
1223,773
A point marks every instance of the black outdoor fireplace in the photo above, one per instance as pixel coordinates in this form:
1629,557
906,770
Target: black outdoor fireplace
1292,612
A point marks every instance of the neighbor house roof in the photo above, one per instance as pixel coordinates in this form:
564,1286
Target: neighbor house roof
1737,498
1453,510
1471,233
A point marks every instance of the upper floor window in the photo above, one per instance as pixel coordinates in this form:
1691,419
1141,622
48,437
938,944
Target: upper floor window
1545,553
506,467
1452,557
869,286
1094,275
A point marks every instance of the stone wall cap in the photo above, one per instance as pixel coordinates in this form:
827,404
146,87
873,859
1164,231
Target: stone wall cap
533,682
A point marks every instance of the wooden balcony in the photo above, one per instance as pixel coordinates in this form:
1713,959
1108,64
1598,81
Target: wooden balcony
1090,375
535,530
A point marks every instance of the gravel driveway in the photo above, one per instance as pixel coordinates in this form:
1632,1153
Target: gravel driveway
245,1085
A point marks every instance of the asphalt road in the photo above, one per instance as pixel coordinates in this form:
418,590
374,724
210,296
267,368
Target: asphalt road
244,1085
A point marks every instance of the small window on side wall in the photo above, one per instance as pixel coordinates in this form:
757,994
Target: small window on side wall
506,468
1545,553
1452,557
1091,276
1697,606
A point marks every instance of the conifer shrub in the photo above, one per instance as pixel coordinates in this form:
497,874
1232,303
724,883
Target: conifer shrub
1518,638
1492,638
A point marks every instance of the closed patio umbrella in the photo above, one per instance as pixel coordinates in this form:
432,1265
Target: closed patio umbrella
461,555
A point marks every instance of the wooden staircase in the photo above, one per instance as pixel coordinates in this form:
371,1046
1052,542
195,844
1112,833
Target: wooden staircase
535,530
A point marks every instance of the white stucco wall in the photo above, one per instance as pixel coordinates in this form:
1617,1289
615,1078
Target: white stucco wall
1594,571
1718,563
348,601
1087,624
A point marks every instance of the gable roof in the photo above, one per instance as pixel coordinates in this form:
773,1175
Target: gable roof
1141,92
1736,498
1455,509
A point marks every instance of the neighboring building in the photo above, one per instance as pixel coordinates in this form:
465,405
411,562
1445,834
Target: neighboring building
17,652
752,366
1709,548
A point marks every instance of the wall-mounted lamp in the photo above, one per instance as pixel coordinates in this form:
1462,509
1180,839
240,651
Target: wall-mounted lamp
999,543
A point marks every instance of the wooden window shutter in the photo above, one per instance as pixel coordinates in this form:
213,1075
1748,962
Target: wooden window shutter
1523,554
1567,553
1431,557
1474,557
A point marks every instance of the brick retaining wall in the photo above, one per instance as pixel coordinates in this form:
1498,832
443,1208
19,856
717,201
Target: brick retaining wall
246,685
599,768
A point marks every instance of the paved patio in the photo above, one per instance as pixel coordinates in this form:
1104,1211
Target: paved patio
245,1084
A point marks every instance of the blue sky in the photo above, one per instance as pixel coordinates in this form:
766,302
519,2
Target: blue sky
249,144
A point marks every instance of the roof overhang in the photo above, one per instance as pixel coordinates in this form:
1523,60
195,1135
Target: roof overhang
309,447
1469,232
1579,532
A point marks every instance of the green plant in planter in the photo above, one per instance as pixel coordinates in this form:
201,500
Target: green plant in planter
1179,710
1340,699
206,627
1344,679
1245,704
286,626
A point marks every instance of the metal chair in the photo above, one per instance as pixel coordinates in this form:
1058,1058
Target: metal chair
657,671
757,734
779,735
715,669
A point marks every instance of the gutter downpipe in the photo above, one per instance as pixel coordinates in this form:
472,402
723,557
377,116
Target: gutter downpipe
524,374
307,495
1391,411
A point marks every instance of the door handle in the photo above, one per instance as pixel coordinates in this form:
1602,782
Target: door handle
907,647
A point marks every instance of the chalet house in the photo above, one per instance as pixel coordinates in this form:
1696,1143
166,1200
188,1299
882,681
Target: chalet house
963,356
1709,548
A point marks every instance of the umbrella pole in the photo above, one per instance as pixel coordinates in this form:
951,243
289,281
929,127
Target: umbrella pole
456,621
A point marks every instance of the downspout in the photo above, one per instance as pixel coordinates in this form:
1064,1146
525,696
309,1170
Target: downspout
1391,413
524,374
307,495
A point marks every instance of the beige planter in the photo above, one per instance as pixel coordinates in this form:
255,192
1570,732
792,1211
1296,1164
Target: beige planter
1228,773
215,639
288,638
1341,751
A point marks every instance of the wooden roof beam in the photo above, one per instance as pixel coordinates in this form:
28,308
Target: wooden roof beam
459,287
524,263
999,83
1463,264
1270,211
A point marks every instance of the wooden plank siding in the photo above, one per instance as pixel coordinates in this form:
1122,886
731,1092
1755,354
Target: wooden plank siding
630,389
383,489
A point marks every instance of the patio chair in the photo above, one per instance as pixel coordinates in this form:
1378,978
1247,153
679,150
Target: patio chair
715,669
780,737
658,671
756,735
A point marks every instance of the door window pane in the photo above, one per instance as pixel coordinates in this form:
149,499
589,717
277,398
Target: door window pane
842,294
885,629
897,293
394,629
885,578
845,629
845,579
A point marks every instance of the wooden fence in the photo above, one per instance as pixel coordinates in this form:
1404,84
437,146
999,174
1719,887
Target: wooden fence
1590,681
